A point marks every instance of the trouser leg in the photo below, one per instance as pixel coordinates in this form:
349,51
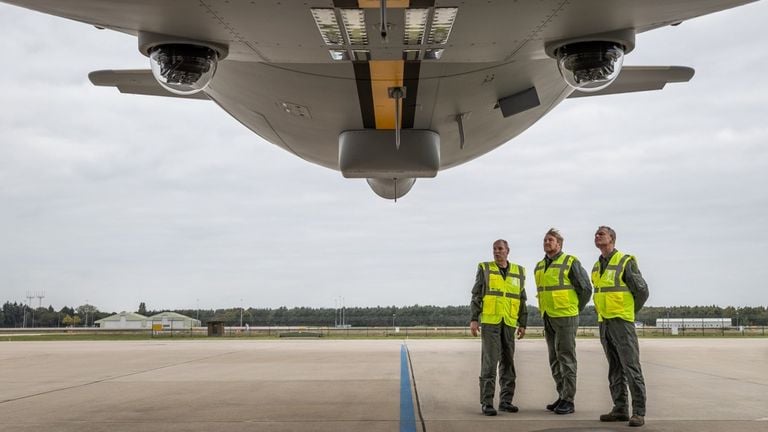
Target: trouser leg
490,335
565,347
628,349
507,374
616,381
554,364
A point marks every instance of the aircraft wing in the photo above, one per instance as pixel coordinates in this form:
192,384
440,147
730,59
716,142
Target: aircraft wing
135,81
643,78
302,74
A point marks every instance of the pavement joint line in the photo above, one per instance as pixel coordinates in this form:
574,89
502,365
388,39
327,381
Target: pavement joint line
112,378
415,388
706,373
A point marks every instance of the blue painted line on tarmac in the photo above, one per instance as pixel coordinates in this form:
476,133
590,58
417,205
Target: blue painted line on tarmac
407,417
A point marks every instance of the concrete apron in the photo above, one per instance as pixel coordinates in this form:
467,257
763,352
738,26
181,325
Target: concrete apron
322,385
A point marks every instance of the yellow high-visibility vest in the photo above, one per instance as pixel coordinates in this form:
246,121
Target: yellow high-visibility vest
612,297
557,297
501,300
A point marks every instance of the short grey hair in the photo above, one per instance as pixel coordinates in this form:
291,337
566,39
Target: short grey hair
609,230
506,245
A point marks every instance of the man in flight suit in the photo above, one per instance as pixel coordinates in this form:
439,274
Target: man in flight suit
620,292
563,289
498,303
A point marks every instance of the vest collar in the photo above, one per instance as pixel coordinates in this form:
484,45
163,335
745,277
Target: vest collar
548,260
608,258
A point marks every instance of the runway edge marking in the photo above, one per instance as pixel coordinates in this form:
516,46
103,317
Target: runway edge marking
407,414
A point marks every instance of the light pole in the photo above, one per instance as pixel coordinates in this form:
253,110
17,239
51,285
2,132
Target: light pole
393,322
241,312
198,309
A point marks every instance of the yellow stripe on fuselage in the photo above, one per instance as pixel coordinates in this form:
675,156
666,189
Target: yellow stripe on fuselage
385,74
367,4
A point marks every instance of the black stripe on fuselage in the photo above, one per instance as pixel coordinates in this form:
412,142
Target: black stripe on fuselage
345,4
411,83
365,93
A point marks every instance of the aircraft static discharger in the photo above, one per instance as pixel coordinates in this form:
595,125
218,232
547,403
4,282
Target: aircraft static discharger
386,90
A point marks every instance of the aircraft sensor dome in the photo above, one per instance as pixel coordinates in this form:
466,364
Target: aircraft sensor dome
183,69
590,66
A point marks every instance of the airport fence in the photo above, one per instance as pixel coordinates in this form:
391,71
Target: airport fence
349,332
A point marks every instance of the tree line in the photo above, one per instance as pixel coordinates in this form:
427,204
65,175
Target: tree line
17,315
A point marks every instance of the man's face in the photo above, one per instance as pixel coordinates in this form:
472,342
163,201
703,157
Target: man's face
551,246
602,238
500,252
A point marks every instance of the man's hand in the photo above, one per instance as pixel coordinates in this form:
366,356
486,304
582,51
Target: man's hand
520,332
474,327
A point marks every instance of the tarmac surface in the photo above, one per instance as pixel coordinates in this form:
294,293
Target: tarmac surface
700,384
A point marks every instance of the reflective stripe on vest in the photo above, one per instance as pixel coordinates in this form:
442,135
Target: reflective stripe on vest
501,300
612,297
557,297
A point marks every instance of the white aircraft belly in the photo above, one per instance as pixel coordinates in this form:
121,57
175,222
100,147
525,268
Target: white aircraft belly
254,92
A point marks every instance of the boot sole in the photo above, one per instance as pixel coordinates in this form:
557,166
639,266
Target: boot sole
614,420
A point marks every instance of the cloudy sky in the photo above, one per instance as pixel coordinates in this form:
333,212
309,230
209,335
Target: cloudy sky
118,199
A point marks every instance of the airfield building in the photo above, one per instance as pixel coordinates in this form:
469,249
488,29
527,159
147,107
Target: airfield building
124,320
693,323
174,321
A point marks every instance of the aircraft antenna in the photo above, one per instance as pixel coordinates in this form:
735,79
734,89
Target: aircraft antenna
398,94
395,185
383,26
460,120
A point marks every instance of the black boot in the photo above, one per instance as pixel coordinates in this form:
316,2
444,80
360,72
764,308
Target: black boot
553,405
508,407
489,410
614,417
565,407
